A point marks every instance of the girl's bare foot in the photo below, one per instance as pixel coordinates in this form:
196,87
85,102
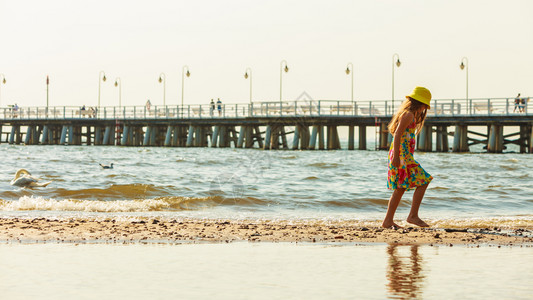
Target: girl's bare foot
390,225
417,221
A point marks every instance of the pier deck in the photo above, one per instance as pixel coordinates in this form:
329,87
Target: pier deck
310,124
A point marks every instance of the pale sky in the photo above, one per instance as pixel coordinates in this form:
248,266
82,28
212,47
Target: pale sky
72,41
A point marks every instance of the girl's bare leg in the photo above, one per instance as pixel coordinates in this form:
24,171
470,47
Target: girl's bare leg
394,201
418,195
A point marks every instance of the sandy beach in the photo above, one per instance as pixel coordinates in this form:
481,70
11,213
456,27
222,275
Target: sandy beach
87,230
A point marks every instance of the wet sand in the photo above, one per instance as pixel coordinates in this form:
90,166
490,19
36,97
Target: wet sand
86,230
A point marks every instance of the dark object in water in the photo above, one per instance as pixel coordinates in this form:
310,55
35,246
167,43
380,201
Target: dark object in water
107,166
455,230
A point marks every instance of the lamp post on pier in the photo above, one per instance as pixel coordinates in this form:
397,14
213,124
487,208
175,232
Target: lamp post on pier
397,63
249,70
183,81
464,64
118,83
47,84
101,78
349,69
163,79
281,69
3,80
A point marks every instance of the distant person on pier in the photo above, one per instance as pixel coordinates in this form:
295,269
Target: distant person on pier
211,108
523,102
148,105
405,173
15,110
82,111
517,103
219,107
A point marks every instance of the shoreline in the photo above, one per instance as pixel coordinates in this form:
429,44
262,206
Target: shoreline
154,230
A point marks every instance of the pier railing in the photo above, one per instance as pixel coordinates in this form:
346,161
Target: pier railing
376,108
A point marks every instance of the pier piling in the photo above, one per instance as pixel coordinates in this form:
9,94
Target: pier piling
384,140
425,138
495,144
312,140
530,138
460,139
362,137
351,137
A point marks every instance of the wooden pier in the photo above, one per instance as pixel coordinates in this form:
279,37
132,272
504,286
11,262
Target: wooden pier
296,125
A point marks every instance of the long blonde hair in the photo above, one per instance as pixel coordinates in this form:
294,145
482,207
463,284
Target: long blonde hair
418,109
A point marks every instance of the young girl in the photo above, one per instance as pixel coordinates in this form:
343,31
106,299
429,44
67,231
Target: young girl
404,172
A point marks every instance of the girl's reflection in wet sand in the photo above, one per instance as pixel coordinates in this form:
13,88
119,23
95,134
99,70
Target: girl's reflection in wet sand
404,274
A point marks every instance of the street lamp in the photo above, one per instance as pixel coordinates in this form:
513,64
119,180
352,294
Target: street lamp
163,78
183,81
118,83
464,63
398,63
3,77
281,69
246,77
349,69
47,84
101,77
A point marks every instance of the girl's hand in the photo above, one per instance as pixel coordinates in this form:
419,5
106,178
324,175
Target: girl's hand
395,160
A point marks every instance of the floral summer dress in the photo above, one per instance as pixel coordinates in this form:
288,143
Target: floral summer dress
410,174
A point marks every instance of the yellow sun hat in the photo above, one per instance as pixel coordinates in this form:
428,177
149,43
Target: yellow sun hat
421,94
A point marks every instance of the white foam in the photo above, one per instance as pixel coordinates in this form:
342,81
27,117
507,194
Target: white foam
39,203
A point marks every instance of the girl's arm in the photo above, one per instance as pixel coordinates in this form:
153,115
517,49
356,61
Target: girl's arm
405,121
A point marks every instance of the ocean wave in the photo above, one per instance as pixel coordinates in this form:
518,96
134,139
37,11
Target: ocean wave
39,203
112,192
440,188
172,203
124,191
288,157
208,162
509,168
324,165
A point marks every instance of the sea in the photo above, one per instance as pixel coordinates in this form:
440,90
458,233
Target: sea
469,189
